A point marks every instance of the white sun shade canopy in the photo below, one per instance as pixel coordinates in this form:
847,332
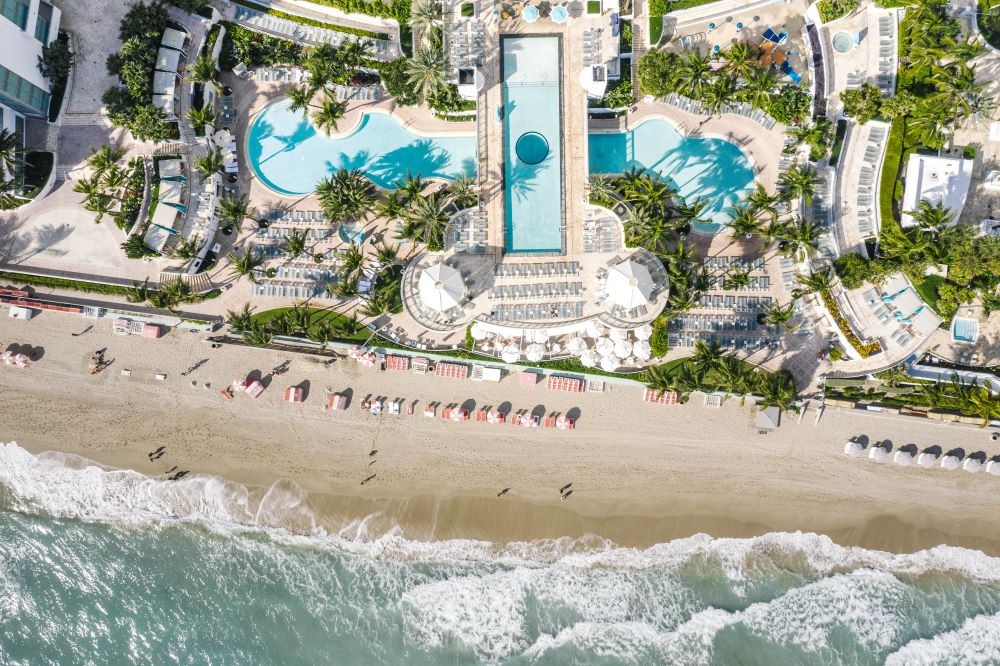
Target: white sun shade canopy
629,284
950,462
926,459
853,449
971,465
902,458
441,287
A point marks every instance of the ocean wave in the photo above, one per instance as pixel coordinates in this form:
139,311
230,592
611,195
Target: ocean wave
975,643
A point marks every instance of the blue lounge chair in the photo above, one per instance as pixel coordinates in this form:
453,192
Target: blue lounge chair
786,68
770,35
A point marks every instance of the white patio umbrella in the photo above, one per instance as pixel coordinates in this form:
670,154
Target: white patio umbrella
576,345
510,354
534,353
610,363
971,465
629,284
479,332
617,334
623,348
878,454
642,350
993,467
950,462
926,460
540,336
644,332
589,358
21,361
229,159
604,346
853,449
594,329
222,138
902,458
440,287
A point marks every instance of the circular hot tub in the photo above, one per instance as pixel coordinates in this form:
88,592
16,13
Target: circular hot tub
531,148
843,42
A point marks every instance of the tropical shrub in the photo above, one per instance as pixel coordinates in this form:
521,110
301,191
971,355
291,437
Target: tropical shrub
865,350
831,10
136,248
862,104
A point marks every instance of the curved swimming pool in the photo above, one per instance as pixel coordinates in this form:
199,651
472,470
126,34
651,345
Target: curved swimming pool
713,169
289,156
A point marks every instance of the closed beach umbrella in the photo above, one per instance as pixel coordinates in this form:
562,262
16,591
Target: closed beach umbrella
594,329
629,284
576,345
604,346
926,460
610,363
950,462
878,454
644,332
853,449
902,458
440,287
623,348
530,14
589,358
993,467
478,331
642,350
510,354
534,353
971,465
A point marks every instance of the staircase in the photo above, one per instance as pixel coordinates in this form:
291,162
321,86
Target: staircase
199,283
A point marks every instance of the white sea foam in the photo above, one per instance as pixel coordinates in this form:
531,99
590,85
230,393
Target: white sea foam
975,643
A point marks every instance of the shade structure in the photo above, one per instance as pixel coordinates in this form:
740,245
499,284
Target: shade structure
294,394
993,467
589,358
610,363
368,359
559,14
623,348
878,454
629,284
926,460
440,287
972,465
510,354
642,350
222,138
478,332
337,402
534,352
530,14
241,384
644,332
853,449
617,334
539,335
255,389
21,361
902,458
356,351
229,159
594,329
950,462
576,345
604,346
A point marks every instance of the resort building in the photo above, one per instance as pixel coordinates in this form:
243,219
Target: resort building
25,26
168,76
933,179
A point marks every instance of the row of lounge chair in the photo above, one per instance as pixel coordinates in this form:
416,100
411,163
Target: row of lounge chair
739,108
726,262
537,311
294,217
297,32
739,343
536,270
735,303
536,290
286,290
868,176
278,233
887,48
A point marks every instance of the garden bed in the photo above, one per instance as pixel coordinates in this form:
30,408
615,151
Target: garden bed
865,350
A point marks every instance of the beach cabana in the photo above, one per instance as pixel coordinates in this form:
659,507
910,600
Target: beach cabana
440,287
878,454
926,460
337,402
950,462
294,394
993,467
971,465
853,449
255,389
902,458
629,284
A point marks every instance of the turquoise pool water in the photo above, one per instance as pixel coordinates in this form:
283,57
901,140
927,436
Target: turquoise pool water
713,169
964,330
288,155
532,144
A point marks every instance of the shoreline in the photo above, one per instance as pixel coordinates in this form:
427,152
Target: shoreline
642,474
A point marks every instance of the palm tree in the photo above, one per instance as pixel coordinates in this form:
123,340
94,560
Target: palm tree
247,265
390,206
385,254
690,212
932,217
328,113
356,52
431,215
186,249
346,195
740,59
206,115
778,315
426,72
352,261
733,376
425,16
376,306
601,187
736,279
982,403
322,333
209,163
776,388
462,191
982,109
707,354
234,208
240,320
650,231
801,238
411,187
815,282
203,71
954,84
743,221
758,87
10,146
258,335
799,182
721,92
813,134
762,202
89,187
138,292
696,74
103,158
295,243
115,180
299,99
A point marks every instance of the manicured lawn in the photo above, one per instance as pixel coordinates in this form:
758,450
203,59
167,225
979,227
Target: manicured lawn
468,9
891,165
593,6
928,290
316,316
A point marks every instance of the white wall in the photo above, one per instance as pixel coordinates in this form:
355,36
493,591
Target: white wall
20,50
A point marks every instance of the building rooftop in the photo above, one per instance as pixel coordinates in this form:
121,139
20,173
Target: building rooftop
936,180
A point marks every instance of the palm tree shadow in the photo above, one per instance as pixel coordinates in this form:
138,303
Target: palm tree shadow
303,131
420,158
345,161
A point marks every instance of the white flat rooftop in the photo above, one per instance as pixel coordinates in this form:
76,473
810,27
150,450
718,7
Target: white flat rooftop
936,180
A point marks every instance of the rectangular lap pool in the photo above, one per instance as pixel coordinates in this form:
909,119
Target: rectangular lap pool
532,122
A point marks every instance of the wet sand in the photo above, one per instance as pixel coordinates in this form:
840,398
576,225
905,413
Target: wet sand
641,474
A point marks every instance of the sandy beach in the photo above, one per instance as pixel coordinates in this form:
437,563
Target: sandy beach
640,473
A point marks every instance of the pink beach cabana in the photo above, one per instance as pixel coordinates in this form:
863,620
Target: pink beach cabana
337,402
240,385
528,378
294,394
151,331
255,389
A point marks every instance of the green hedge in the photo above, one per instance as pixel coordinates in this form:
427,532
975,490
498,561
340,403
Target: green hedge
989,21
61,283
655,29
864,350
311,22
891,165
838,142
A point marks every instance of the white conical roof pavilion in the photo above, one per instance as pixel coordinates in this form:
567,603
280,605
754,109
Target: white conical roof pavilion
440,287
629,284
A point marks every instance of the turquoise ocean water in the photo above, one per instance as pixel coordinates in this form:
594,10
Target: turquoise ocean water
109,567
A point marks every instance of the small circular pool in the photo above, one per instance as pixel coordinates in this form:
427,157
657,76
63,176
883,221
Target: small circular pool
531,148
352,232
843,42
